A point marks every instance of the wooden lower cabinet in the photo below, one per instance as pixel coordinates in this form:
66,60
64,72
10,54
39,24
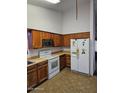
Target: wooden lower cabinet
68,60
31,76
36,74
65,61
62,62
42,72
39,72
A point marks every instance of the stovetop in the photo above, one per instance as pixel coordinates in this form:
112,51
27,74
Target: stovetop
46,54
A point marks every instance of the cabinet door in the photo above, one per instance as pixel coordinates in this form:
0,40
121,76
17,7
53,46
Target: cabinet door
46,35
36,39
41,38
56,40
42,72
86,35
79,35
61,40
52,36
75,36
62,62
83,35
32,78
66,40
68,62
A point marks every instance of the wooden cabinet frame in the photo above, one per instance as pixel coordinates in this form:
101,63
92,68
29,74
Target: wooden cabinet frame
62,61
59,39
36,74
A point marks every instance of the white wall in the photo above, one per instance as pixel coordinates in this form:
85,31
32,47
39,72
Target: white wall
53,21
44,19
70,24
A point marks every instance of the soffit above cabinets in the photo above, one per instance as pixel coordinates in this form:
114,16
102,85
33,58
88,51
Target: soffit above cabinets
62,6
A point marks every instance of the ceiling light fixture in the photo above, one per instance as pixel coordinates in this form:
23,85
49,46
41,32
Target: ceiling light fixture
53,1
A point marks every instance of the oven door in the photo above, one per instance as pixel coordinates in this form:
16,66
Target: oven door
53,64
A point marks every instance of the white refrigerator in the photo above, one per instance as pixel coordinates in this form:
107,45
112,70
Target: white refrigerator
80,55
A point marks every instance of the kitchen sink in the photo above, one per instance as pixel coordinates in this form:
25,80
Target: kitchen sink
28,62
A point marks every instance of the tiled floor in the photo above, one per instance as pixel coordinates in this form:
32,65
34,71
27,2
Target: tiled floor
68,82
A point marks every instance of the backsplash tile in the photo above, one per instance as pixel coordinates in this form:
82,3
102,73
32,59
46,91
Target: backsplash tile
34,52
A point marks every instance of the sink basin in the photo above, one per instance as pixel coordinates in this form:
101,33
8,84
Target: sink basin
28,62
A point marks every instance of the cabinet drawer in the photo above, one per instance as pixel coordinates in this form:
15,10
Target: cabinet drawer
31,67
42,63
67,62
68,55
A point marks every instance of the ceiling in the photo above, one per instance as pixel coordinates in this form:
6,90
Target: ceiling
62,6
43,3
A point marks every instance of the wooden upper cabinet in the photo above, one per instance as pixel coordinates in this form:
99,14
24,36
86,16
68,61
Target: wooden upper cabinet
46,35
68,37
38,36
78,36
82,35
86,35
41,38
36,41
61,42
52,36
66,40
58,40
71,36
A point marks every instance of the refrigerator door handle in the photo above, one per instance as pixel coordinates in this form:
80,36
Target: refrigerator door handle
77,53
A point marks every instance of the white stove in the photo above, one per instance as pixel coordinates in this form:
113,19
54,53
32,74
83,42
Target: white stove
53,63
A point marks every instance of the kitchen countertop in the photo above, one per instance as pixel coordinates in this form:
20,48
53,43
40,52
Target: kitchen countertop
37,60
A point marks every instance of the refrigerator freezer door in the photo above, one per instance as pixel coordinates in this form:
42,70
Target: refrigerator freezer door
73,47
83,45
74,55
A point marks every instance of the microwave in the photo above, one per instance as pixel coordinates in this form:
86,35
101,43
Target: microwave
47,42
